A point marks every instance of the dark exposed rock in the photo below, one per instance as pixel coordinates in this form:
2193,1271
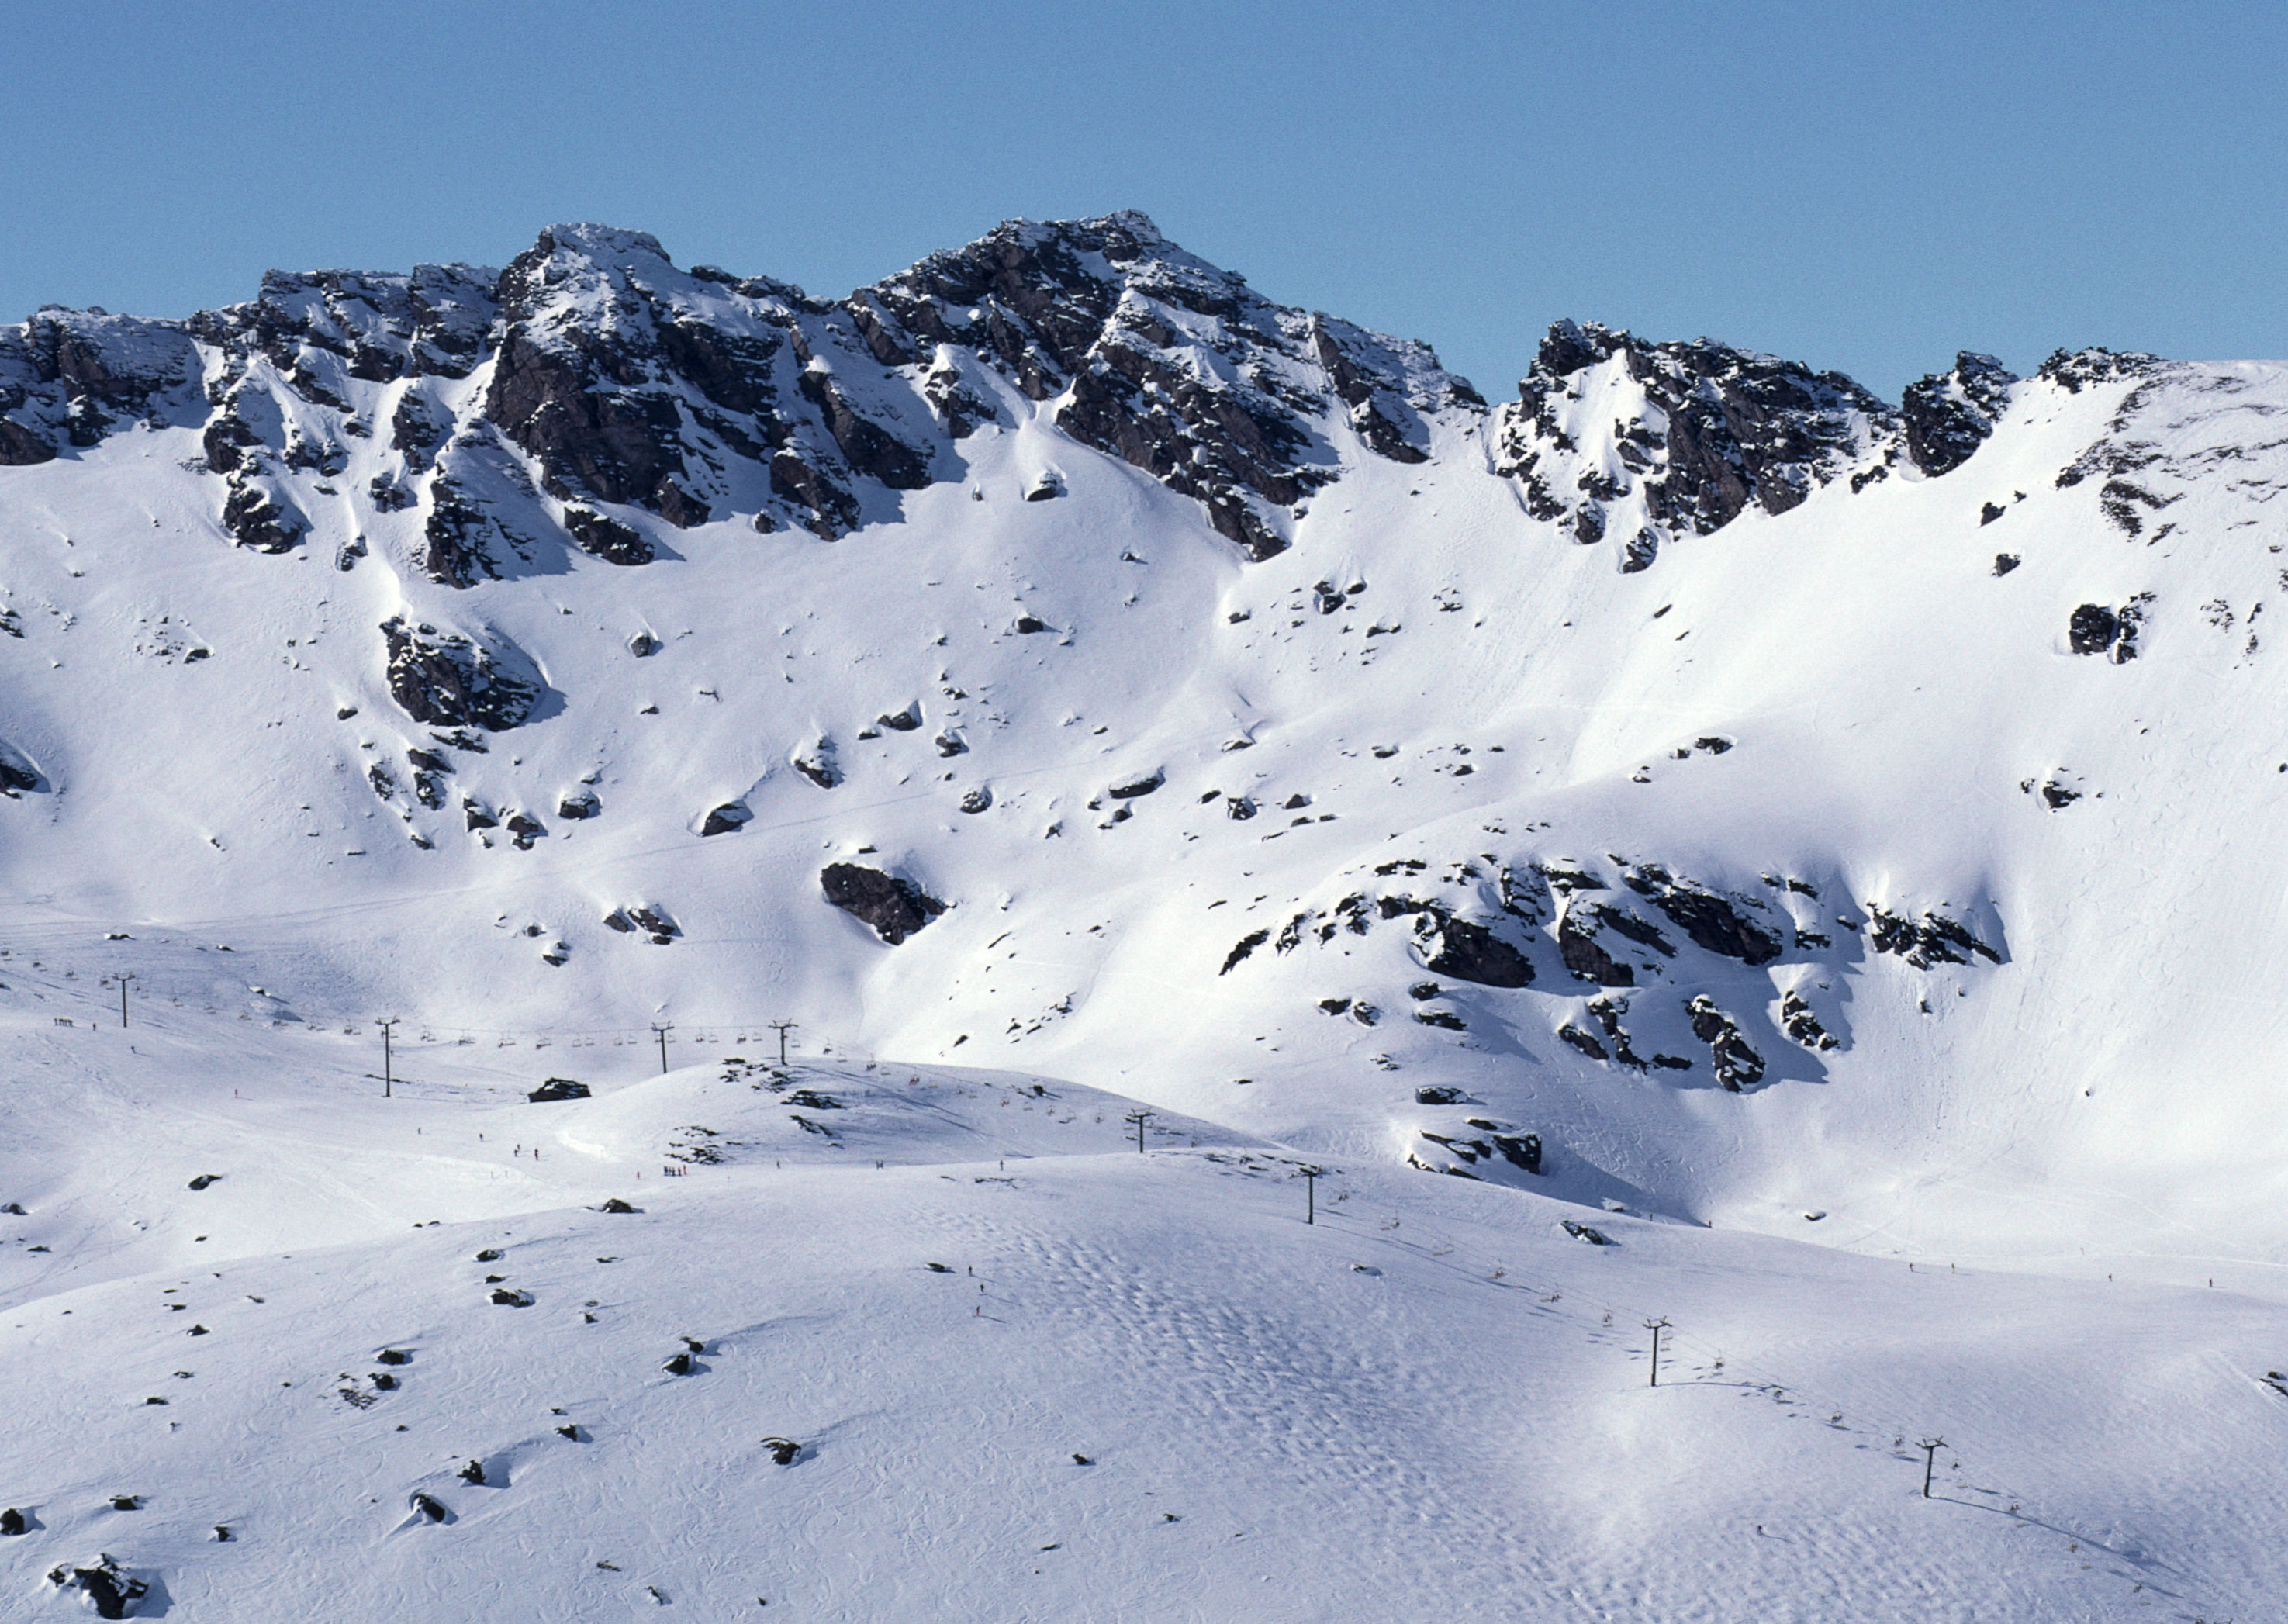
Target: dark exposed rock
1519,1150
1245,946
556,1088
1582,1232
525,829
205,1179
583,399
12,1522
1082,308
978,799
447,680
2077,371
429,1508
578,804
1565,882
1932,939
108,1591
1722,429
473,1472
1582,1042
1735,1064
17,774
895,908
1437,1094
260,518
616,1205
1584,956
1622,923
2131,618
866,446
681,1365
387,496
2004,562
727,818
901,721
1712,922
1800,1022
2094,629
1949,415
392,1356
506,1297
414,431
456,538
1138,785
2091,629
1607,1012
606,538
655,920
643,645
1472,952
1446,1019
818,765
786,1451
831,510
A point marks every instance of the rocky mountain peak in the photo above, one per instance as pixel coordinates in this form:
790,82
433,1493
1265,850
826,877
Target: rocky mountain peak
615,380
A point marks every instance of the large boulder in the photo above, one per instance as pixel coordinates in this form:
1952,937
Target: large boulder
895,908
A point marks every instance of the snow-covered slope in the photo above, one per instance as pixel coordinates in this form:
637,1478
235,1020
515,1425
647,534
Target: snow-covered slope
1696,788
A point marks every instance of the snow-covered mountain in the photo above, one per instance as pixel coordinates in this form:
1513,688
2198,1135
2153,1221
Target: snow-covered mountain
1695,788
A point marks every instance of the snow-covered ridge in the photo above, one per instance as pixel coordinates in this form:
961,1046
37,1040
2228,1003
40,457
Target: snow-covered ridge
666,640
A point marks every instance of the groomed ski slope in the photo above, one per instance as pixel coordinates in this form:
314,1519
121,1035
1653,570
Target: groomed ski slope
1434,1403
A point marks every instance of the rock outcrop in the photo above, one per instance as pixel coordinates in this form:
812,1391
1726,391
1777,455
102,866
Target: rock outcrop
1949,415
1611,435
445,679
894,907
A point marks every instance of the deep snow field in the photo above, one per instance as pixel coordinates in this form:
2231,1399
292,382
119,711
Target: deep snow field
1886,964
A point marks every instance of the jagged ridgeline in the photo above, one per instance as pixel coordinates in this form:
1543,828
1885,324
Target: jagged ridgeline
619,380
593,374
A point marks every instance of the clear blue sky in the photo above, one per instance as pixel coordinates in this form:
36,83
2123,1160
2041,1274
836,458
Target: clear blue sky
1859,186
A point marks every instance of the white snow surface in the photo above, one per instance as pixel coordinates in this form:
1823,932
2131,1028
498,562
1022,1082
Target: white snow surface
2030,1202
